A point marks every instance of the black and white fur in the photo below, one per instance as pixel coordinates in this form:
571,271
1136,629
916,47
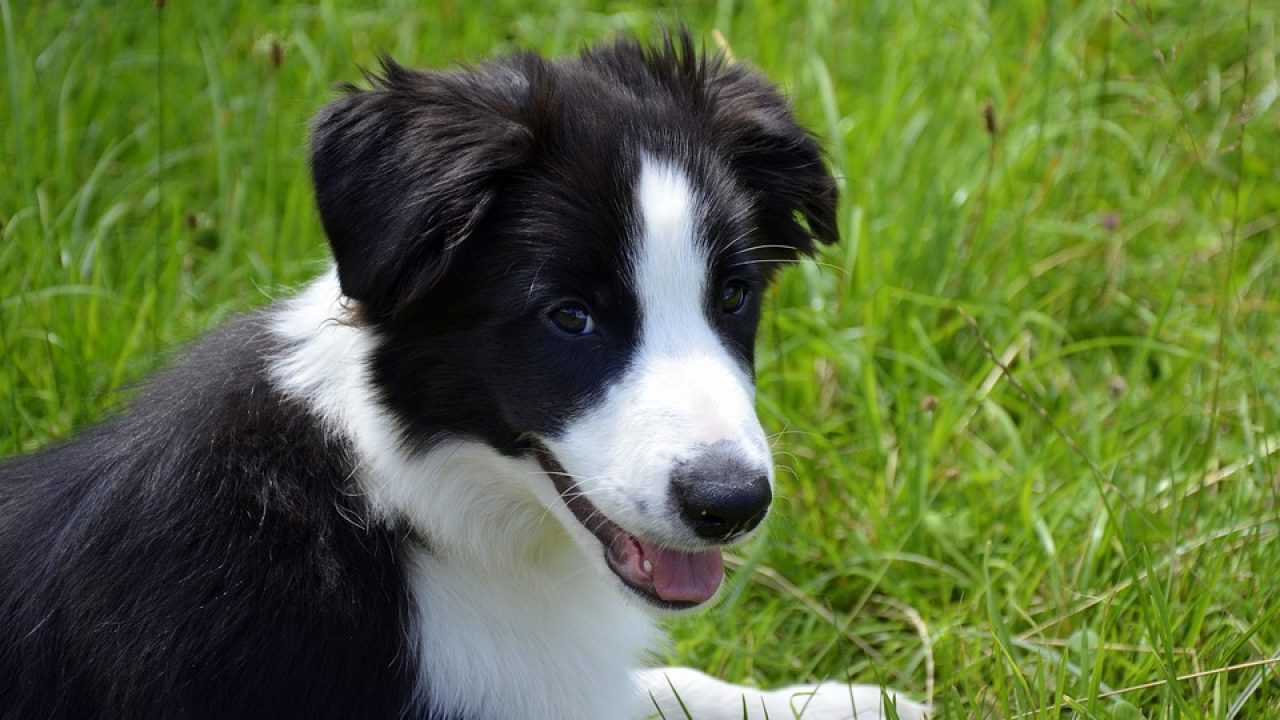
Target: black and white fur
368,501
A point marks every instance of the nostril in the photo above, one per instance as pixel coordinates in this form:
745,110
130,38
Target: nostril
756,519
707,523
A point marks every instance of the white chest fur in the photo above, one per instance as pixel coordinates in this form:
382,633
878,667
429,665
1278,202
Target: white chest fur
549,642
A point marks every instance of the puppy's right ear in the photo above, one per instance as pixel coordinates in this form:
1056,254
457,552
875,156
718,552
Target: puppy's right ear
405,171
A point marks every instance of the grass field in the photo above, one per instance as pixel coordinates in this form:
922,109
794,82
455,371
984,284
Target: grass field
1028,412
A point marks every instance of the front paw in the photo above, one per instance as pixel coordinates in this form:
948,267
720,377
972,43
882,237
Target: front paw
837,701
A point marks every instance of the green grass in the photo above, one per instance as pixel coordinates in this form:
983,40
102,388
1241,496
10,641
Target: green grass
1028,412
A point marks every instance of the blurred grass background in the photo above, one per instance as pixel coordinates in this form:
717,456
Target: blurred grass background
1027,413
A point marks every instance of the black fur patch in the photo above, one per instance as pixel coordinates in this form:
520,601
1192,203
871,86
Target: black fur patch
203,556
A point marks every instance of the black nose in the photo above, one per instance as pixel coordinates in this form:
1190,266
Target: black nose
720,494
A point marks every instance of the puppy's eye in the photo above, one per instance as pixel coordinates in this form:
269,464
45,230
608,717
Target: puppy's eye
572,319
733,296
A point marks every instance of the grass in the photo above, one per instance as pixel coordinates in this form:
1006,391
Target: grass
1028,413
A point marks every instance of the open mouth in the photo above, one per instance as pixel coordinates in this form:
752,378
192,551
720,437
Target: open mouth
665,577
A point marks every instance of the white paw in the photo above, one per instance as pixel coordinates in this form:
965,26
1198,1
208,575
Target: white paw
837,701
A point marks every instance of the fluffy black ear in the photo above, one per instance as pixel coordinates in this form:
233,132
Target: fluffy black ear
776,158
404,171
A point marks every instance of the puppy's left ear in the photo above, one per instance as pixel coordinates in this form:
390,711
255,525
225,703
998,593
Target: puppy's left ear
776,158
405,172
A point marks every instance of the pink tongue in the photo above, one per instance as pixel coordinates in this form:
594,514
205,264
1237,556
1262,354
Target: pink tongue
691,577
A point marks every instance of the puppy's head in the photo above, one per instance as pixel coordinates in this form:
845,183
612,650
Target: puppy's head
566,261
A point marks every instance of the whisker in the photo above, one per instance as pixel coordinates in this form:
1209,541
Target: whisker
767,261
788,470
750,248
802,433
785,453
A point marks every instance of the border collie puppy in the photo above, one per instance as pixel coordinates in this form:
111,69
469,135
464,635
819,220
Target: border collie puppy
457,477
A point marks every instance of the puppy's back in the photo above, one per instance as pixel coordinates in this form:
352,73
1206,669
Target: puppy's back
198,557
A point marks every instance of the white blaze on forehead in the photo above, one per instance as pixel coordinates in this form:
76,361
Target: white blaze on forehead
670,264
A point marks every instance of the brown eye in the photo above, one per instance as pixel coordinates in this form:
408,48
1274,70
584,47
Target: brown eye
733,296
572,319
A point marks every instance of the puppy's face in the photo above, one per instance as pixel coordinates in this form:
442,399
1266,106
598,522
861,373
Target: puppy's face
566,261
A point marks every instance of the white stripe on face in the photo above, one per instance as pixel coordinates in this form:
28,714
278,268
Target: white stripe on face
671,265
683,391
